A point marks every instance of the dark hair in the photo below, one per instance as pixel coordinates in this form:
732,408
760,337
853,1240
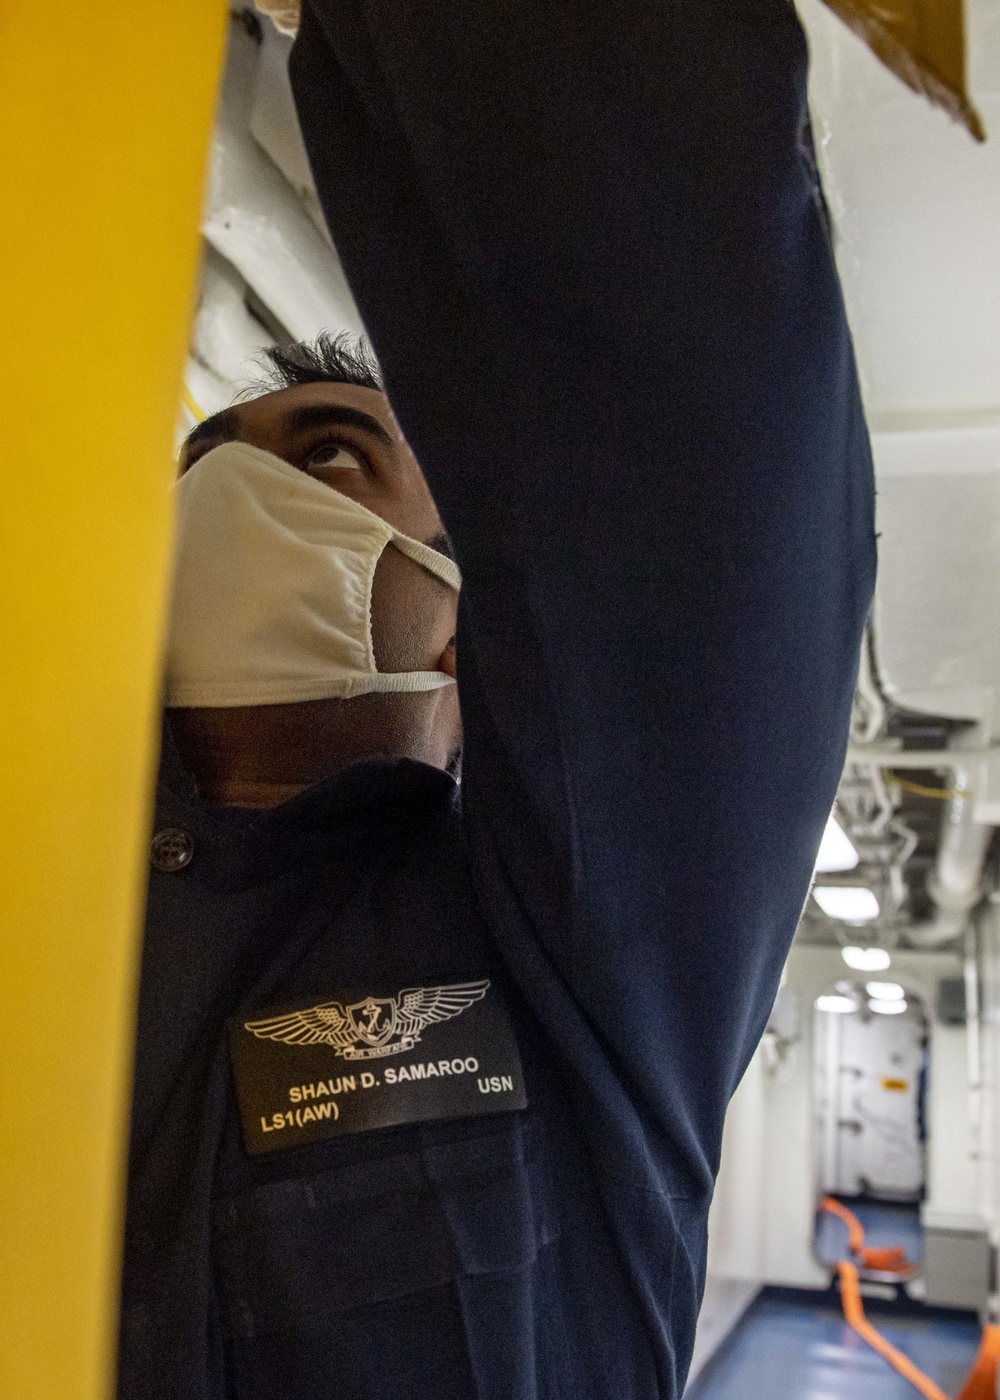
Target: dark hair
329,359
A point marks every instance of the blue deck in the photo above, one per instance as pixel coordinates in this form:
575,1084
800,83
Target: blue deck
782,1350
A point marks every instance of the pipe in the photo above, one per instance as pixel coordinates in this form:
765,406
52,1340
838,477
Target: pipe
973,1024
973,1047
882,756
956,883
868,719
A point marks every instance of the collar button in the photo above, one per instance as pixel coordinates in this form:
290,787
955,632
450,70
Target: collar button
172,849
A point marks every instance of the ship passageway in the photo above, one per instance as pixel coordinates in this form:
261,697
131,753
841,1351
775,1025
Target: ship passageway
791,1347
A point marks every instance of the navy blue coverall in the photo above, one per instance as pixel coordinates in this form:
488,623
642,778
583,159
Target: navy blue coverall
587,240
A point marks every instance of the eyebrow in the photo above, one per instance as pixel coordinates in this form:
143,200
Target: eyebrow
221,427
328,415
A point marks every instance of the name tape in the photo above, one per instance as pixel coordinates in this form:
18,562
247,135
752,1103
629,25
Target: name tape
364,1060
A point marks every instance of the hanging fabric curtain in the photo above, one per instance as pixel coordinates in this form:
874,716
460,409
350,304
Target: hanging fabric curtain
921,41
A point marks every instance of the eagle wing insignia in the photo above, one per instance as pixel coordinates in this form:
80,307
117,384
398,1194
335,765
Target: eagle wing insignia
323,1024
418,1007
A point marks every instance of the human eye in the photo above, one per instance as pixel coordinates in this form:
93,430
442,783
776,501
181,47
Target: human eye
332,456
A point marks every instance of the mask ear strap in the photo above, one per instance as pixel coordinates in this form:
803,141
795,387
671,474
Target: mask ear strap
389,682
410,682
439,564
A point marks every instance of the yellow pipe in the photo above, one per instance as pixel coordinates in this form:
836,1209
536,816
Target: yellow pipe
921,790
192,405
104,120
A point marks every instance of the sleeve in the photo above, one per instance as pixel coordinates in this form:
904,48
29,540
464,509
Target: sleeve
587,240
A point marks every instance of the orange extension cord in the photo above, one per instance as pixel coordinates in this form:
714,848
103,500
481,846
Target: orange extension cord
891,1260
981,1381
850,1297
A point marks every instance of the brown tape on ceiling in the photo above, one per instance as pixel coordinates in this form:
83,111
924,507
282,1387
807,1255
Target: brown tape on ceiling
923,43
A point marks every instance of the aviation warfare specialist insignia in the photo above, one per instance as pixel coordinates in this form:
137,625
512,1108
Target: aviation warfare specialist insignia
367,1030
291,1067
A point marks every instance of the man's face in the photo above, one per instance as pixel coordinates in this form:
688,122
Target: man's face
348,437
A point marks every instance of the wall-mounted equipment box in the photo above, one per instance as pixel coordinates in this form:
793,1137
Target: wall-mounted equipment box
958,1262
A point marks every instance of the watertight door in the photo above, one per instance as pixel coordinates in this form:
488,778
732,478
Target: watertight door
104,119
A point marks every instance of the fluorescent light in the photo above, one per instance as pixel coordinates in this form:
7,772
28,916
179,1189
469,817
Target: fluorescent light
855,904
866,959
840,1005
836,851
885,991
887,1008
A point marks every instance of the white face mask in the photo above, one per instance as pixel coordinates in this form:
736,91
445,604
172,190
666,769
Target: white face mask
273,587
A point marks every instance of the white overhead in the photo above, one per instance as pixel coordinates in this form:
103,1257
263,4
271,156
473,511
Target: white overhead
938,595
269,269
916,205
255,219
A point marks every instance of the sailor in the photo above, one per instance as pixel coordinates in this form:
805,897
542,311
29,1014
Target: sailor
622,443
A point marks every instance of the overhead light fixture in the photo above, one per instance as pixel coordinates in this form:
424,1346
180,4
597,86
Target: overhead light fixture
836,850
837,1004
855,904
885,991
866,959
887,1008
